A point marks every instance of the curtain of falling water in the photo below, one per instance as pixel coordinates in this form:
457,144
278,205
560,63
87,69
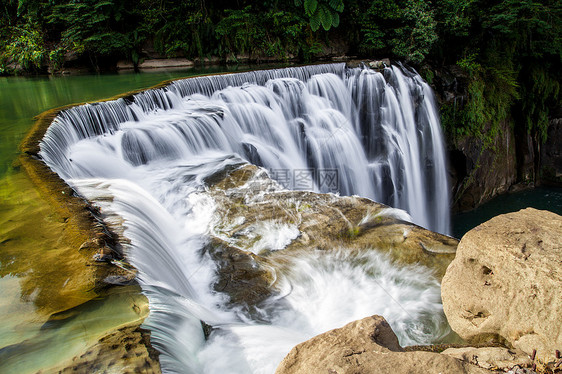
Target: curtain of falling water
378,131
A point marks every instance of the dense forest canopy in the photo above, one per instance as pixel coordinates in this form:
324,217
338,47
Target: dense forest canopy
509,50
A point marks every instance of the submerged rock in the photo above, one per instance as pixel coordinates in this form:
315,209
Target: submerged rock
366,346
505,283
259,224
126,350
241,275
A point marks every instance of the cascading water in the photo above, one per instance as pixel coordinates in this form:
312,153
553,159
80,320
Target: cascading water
326,128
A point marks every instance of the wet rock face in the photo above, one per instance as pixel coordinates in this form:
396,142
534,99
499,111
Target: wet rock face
366,346
505,283
260,224
241,274
551,155
477,174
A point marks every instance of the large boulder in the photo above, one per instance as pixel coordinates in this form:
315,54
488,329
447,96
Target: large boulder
366,346
505,283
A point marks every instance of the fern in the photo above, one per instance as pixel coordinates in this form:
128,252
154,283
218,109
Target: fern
335,19
323,13
325,17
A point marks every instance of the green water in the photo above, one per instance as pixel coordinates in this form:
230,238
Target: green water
543,198
22,98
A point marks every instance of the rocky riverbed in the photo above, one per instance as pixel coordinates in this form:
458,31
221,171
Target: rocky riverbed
500,293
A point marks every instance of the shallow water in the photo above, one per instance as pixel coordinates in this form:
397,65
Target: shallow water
22,98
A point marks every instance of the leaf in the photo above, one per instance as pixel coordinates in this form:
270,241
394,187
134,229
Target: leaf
21,5
315,22
335,19
103,3
336,5
325,17
310,7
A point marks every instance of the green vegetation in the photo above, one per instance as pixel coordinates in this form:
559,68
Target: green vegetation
403,28
508,50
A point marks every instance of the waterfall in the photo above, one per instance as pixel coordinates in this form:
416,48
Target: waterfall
376,134
327,128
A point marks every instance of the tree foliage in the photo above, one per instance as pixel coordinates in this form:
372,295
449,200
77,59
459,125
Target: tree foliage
518,48
325,13
276,33
25,46
406,29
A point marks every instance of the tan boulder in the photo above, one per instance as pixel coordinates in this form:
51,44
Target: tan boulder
493,358
260,224
246,199
366,346
505,283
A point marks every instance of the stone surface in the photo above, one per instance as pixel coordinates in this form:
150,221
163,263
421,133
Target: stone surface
493,358
366,346
166,63
505,283
478,174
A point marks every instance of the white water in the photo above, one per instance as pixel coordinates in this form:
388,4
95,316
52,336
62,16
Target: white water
319,290
143,160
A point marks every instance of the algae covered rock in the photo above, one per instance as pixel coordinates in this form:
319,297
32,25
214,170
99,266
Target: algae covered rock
505,283
126,350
